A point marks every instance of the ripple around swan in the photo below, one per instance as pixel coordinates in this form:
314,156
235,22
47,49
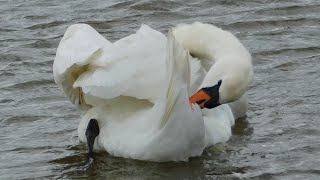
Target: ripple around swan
288,51
41,44
28,84
257,24
156,6
277,140
46,25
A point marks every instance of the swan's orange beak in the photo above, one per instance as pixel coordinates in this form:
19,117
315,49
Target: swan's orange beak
200,98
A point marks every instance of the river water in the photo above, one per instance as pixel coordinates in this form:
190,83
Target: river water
279,139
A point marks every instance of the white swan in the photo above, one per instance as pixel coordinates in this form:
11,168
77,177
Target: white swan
138,88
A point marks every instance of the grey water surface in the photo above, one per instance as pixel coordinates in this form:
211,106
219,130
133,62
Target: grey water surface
279,139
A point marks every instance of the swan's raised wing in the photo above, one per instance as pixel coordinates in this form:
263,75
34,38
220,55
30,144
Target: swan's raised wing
133,66
90,70
80,45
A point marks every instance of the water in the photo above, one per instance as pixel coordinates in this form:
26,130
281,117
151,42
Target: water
278,140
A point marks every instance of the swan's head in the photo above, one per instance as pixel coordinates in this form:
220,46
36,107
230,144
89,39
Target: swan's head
207,97
223,85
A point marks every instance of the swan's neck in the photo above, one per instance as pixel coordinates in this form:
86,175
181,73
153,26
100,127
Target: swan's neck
208,42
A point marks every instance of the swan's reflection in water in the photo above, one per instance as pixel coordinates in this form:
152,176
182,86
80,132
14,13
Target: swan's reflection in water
218,160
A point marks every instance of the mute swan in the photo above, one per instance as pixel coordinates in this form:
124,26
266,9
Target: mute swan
134,93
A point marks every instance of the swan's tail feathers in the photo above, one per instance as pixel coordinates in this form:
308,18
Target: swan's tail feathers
178,75
80,46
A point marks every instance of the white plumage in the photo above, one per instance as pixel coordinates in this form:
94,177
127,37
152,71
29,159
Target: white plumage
138,88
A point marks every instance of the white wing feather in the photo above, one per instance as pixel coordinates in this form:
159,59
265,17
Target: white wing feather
80,45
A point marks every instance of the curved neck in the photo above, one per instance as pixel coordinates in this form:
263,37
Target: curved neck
228,58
